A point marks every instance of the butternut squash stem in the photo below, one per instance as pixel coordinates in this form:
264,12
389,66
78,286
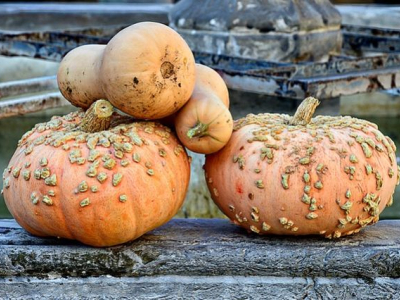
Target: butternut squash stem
199,130
97,117
305,111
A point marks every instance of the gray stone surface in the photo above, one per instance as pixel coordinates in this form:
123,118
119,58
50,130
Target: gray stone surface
262,15
273,30
199,287
277,47
203,259
383,16
18,68
63,16
198,247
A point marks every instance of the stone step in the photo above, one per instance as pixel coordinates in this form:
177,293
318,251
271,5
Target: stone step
29,95
199,287
204,258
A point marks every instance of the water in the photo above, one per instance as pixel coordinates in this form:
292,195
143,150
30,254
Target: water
11,129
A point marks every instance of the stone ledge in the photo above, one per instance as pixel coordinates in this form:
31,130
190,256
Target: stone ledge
203,259
271,46
200,287
201,247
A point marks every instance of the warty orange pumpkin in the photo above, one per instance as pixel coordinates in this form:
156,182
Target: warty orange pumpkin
328,176
204,124
148,71
96,177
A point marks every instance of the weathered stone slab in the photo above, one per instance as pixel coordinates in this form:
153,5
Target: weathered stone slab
198,287
200,247
203,259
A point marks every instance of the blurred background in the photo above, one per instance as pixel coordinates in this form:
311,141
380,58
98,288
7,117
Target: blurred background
351,79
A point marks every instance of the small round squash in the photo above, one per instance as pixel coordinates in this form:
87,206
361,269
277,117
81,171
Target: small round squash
328,176
148,71
78,75
96,177
204,125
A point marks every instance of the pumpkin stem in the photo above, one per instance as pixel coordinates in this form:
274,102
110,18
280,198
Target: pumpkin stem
305,111
97,117
199,130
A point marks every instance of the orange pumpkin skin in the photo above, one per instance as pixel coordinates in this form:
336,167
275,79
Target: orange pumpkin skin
148,71
78,75
102,188
331,177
